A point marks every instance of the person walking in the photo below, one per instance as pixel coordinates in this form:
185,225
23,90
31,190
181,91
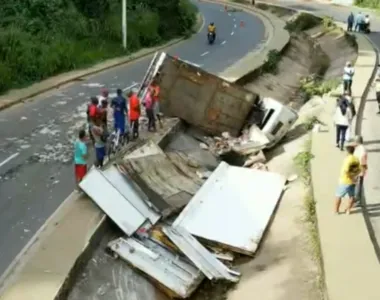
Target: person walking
348,74
100,146
134,113
80,157
148,103
351,106
347,180
350,22
361,154
342,119
156,101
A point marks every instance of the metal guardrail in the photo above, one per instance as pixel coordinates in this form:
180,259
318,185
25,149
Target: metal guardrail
358,131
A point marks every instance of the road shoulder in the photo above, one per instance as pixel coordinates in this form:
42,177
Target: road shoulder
347,250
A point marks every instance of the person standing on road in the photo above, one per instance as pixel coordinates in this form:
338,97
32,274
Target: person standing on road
350,21
148,103
361,154
348,176
342,120
120,110
359,22
100,147
156,101
348,74
92,111
134,113
80,156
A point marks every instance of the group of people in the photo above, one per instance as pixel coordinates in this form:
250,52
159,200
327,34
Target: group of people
126,118
345,109
359,22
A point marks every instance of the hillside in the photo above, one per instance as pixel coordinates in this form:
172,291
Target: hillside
40,38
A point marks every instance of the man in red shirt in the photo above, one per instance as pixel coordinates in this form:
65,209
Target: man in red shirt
134,113
92,113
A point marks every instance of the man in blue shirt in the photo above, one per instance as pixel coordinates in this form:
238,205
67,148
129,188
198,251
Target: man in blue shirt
120,111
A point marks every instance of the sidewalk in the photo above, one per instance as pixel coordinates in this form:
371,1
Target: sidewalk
351,268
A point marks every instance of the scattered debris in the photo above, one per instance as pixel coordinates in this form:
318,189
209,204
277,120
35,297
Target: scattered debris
178,277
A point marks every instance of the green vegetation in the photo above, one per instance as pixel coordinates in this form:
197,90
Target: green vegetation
368,3
312,86
328,23
271,63
40,38
301,22
302,162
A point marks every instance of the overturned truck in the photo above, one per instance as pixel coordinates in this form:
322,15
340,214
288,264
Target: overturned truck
212,104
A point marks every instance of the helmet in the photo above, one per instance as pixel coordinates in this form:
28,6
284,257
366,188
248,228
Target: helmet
212,23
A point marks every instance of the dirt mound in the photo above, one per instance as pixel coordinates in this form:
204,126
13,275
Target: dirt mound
305,55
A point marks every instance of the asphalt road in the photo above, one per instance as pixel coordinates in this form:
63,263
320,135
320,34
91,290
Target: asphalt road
36,172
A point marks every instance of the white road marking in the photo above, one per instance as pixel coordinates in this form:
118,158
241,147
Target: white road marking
223,42
232,33
9,159
229,15
203,54
234,19
131,86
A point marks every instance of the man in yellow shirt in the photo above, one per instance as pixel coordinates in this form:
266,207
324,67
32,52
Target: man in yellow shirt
347,180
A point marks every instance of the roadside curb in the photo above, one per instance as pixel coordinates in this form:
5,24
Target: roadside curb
48,84
277,38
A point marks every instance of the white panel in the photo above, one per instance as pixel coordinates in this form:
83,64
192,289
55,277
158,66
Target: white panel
199,255
125,188
127,217
233,207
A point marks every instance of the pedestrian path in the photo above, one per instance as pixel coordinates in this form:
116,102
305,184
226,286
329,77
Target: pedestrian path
351,268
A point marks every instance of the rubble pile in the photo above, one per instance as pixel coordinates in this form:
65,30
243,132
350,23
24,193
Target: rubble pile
182,224
249,146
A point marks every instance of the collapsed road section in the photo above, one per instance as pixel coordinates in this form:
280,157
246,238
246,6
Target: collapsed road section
176,208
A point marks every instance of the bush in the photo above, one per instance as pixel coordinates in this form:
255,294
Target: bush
368,3
272,61
311,86
40,38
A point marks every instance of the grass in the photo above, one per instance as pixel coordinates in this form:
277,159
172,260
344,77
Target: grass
302,162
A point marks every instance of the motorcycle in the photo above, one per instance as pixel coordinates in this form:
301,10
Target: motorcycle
366,28
211,37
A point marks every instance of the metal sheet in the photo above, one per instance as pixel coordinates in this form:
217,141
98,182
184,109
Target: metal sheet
233,207
112,202
199,255
165,183
160,264
131,193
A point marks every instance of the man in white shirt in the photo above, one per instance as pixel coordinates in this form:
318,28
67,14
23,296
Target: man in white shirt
361,154
348,74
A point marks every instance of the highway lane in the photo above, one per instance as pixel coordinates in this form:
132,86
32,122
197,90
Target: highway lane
36,172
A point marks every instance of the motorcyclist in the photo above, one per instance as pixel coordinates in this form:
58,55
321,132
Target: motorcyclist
212,29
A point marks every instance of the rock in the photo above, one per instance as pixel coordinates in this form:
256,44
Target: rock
254,159
203,146
226,135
